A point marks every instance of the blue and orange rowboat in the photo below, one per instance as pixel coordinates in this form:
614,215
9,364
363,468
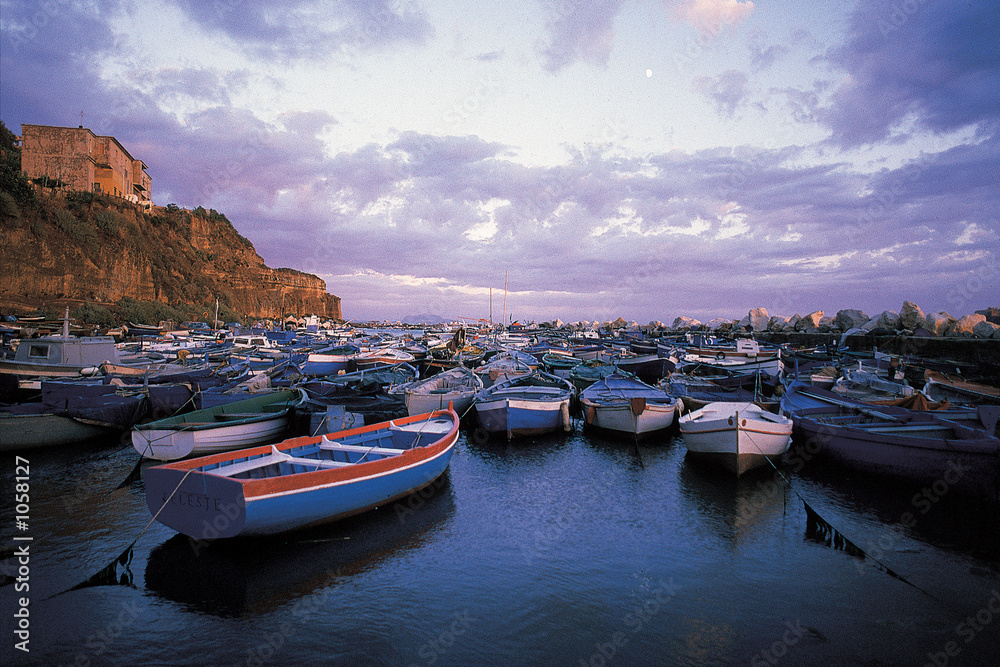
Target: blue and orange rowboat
301,482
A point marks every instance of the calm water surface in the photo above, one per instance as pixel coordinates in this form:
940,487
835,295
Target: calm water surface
564,550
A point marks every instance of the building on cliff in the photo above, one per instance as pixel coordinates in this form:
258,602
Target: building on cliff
78,159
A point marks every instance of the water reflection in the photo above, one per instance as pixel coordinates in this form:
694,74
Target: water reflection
931,514
251,577
736,509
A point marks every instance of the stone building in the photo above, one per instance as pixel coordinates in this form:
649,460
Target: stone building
77,159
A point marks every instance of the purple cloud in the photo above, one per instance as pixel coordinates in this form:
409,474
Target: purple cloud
938,64
579,30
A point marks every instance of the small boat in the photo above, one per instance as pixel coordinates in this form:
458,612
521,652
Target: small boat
909,445
560,363
32,425
331,360
740,436
525,405
386,356
625,404
301,482
504,366
62,356
245,423
588,372
697,392
457,386
70,413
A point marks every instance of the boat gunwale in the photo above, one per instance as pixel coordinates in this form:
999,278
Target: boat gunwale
266,487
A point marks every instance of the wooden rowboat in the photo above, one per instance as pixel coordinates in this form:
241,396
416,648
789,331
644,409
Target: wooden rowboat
301,482
245,423
740,436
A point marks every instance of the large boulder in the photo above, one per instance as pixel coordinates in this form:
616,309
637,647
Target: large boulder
717,323
850,319
826,324
966,325
759,319
888,320
777,323
910,316
683,322
810,321
991,314
986,329
939,323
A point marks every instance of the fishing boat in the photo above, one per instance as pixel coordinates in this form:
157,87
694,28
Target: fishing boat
385,356
626,405
62,356
560,363
525,405
245,423
457,386
301,482
331,360
70,413
909,445
505,365
588,372
739,436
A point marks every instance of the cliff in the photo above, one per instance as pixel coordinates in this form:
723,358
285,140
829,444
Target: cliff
89,247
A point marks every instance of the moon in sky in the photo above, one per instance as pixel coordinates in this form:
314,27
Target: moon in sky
649,73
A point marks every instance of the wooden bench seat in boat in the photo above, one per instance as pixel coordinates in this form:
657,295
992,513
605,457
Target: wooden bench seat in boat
274,458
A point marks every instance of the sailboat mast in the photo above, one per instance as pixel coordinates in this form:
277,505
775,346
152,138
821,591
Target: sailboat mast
505,275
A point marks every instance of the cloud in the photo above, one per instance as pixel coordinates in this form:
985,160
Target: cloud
713,15
276,28
725,91
936,68
581,30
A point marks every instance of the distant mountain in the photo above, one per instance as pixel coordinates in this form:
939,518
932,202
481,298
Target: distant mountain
423,319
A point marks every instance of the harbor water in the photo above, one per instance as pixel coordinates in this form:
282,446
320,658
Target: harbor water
571,549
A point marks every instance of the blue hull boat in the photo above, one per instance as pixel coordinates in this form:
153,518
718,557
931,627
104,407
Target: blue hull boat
301,482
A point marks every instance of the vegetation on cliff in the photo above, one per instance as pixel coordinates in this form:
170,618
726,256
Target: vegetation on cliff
132,265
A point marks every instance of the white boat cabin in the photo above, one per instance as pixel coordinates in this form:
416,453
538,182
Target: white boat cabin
85,351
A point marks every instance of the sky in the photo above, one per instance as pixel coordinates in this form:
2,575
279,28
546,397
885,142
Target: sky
571,159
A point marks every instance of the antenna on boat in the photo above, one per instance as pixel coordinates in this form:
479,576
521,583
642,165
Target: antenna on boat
66,323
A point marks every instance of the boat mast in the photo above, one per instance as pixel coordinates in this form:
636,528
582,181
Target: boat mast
503,323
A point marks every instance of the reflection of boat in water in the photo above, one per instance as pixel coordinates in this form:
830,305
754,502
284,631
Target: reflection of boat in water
228,578
736,507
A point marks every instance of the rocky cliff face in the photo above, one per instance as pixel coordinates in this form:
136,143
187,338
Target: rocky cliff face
98,249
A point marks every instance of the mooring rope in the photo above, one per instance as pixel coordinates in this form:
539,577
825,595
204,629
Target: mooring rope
836,539
108,574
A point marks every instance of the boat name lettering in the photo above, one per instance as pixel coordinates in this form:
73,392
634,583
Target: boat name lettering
196,500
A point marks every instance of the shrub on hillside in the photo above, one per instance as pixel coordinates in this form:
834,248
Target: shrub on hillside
93,314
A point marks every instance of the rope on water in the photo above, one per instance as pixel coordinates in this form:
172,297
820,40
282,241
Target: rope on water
822,531
109,575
